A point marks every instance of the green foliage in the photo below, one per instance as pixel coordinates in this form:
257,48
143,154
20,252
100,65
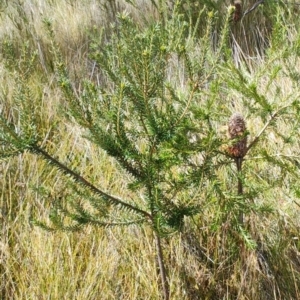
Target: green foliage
140,118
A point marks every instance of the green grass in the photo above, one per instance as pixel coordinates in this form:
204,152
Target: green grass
207,259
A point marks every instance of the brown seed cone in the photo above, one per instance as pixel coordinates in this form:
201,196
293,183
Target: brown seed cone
238,13
237,133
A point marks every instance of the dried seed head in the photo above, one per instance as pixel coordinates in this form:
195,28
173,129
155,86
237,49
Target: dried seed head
238,13
237,133
236,125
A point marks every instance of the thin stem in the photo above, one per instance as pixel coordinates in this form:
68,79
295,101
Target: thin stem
80,179
162,269
239,162
253,7
195,87
273,116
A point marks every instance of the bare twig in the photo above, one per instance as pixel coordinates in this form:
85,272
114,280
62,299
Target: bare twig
255,5
273,116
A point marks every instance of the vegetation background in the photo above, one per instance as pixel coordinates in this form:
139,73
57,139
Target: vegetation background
215,64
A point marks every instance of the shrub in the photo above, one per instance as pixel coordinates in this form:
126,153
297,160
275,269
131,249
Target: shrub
154,102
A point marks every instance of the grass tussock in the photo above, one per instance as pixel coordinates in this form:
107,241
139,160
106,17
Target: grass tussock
114,90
